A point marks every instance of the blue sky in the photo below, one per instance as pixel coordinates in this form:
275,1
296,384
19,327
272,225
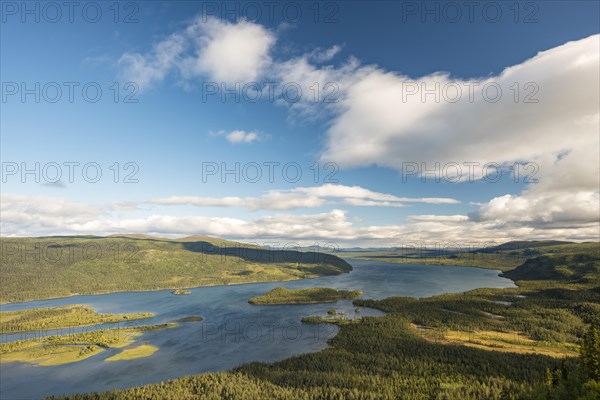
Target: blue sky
368,52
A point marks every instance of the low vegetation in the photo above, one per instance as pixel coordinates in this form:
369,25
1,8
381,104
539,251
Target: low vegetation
64,349
140,351
512,342
281,295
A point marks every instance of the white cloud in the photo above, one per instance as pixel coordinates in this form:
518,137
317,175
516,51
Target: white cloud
323,89
321,56
378,124
229,52
24,215
305,197
146,69
208,47
373,121
35,216
240,136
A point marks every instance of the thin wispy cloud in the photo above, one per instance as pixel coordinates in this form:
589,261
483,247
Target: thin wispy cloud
305,197
240,136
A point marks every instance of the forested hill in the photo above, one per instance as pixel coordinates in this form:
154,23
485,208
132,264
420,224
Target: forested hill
41,268
581,268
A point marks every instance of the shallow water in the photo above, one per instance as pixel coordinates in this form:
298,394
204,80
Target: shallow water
233,331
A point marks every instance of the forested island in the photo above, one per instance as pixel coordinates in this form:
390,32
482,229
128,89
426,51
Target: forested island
62,266
281,295
453,346
59,317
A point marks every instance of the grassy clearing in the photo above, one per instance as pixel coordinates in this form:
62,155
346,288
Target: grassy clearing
513,342
141,351
52,355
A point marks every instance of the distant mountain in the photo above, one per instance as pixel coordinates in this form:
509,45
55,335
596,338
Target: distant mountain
134,236
524,244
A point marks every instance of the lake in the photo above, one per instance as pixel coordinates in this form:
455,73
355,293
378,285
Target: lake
233,331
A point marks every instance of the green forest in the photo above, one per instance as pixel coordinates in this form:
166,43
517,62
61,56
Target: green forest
387,358
42,268
281,295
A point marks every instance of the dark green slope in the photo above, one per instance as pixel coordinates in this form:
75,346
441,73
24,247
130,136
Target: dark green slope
582,268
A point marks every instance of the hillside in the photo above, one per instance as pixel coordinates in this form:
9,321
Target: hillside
503,257
525,244
581,268
41,268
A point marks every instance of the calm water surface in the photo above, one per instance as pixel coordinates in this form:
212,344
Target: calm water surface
232,333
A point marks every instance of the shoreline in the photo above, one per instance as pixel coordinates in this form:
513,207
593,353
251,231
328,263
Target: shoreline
158,290
500,272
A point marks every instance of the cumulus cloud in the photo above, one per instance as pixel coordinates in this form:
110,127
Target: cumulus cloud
24,215
381,123
305,197
229,52
218,50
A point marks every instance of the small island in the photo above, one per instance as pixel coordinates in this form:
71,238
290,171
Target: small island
181,291
60,317
316,319
66,349
193,318
281,295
